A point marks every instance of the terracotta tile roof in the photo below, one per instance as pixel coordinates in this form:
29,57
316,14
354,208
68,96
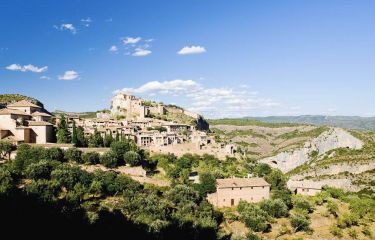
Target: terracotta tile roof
39,123
241,182
7,111
23,103
41,114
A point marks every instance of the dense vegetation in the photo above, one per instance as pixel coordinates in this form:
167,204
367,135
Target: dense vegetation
10,98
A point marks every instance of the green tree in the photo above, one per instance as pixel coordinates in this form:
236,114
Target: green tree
253,217
73,154
41,170
108,139
6,181
74,134
6,149
96,140
275,208
277,179
132,158
62,131
300,222
263,169
119,149
81,140
54,153
207,183
91,158
109,159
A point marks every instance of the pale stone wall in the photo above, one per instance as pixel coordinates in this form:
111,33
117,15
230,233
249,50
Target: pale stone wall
307,191
227,197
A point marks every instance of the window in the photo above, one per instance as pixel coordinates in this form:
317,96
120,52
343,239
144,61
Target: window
240,188
263,187
252,187
232,188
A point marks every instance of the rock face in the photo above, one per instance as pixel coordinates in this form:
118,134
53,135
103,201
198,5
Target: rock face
328,140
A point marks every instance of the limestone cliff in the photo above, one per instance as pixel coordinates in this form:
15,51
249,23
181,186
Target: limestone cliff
328,140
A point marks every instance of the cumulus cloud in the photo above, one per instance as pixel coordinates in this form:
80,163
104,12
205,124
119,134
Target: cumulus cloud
66,27
69,75
141,52
45,78
211,102
191,50
113,49
26,68
131,40
86,22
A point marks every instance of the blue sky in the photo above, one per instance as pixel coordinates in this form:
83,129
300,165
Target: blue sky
219,58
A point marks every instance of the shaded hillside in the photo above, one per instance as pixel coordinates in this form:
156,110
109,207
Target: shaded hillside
10,98
351,122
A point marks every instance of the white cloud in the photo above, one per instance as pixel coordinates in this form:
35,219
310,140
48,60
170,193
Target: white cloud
141,52
86,22
66,27
113,49
109,20
191,50
131,40
26,68
211,102
69,75
45,78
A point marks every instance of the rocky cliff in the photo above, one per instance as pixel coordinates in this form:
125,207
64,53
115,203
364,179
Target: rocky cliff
328,140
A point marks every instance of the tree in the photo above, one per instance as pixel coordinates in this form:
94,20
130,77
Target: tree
277,179
132,158
300,222
108,139
302,203
5,181
119,149
109,159
73,154
54,153
207,183
41,170
263,169
27,155
253,217
96,140
74,134
91,158
81,140
62,131
6,149
274,207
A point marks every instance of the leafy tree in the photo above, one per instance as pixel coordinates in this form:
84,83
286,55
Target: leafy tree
301,202
207,183
132,158
6,181
332,208
284,195
41,170
68,176
95,139
108,139
109,159
54,154
277,179
73,154
74,134
47,190
27,155
62,131
263,169
81,140
119,148
300,222
181,194
150,163
96,188
274,207
91,158
6,149
253,217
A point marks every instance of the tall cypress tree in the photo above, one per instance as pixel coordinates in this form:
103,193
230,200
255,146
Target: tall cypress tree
62,131
74,134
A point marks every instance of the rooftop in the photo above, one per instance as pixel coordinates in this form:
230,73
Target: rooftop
241,182
39,123
7,111
41,114
23,103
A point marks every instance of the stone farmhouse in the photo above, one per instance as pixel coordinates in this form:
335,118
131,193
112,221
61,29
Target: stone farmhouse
230,191
25,122
305,187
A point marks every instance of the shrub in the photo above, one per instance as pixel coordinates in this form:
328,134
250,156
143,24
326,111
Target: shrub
119,148
335,192
284,229
5,181
332,208
253,217
367,231
336,231
275,208
41,170
73,154
90,158
54,154
284,195
132,158
300,222
6,148
353,233
109,159
252,236
348,220
301,202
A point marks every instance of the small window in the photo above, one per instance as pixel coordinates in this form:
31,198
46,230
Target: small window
252,187
263,187
232,188
240,188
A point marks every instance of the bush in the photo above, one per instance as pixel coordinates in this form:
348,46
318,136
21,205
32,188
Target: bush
91,158
253,217
54,154
6,148
27,155
275,208
300,222
119,148
367,231
348,220
335,192
336,231
284,195
109,159
41,170
332,208
73,154
132,158
353,233
302,203
6,181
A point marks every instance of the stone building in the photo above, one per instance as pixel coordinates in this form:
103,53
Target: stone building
230,191
305,187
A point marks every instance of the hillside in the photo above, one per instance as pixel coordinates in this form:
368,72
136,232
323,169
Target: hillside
10,98
351,122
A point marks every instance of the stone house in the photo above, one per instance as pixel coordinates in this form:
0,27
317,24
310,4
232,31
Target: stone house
230,191
305,187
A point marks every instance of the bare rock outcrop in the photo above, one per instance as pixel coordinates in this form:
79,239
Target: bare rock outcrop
328,140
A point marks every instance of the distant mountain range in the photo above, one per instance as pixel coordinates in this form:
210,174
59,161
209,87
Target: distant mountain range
351,122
